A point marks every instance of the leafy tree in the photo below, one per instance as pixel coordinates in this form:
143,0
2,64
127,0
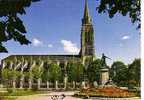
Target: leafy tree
54,72
5,74
71,71
124,7
63,72
15,73
118,73
134,73
75,72
45,74
8,76
27,74
88,61
36,72
93,71
11,26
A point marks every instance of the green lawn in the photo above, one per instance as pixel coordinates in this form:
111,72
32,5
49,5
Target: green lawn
8,98
12,94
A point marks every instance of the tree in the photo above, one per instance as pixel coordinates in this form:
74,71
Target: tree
118,73
93,71
75,71
11,26
88,61
45,74
8,75
134,73
5,75
37,72
124,7
7,79
54,72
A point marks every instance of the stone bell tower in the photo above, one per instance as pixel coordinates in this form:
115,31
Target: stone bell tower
87,34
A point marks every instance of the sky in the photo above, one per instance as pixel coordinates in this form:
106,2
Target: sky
53,27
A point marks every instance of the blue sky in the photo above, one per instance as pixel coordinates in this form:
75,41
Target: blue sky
54,27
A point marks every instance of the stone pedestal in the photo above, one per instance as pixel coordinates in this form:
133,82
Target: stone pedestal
104,76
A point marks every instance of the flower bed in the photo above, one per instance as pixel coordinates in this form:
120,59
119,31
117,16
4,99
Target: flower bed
105,92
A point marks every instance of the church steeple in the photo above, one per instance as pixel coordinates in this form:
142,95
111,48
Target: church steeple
86,11
87,34
86,18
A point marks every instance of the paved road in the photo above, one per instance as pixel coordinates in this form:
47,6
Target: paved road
68,97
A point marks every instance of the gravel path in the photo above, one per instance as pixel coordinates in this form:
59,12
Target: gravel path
48,96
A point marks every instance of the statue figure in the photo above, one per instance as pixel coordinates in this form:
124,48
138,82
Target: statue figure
103,60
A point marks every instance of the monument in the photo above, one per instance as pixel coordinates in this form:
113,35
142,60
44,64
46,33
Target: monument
104,72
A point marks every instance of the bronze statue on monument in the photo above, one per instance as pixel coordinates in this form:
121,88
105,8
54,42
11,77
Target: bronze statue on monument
103,60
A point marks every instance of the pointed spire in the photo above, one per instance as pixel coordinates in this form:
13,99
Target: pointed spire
86,18
86,11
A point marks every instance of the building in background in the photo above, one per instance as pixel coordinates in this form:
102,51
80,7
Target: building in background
25,63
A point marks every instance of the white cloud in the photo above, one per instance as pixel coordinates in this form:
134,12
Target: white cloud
70,47
50,45
126,37
36,42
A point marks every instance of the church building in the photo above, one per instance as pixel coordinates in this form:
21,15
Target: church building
24,63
